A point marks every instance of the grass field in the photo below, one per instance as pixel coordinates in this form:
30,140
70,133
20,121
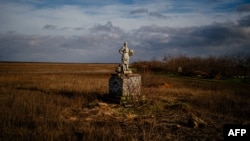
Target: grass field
51,101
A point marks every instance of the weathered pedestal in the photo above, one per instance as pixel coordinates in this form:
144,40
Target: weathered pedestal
125,88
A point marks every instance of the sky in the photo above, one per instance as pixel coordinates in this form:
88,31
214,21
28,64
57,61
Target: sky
92,31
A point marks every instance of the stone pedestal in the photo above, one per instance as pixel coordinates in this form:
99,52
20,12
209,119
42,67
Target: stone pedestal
125,88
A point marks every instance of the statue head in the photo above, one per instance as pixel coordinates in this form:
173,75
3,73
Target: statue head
125,44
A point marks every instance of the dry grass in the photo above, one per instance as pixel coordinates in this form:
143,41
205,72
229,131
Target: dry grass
41,101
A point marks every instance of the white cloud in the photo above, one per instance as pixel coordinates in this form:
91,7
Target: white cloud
94,33
29,19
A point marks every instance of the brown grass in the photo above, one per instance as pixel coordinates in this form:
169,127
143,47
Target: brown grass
42,101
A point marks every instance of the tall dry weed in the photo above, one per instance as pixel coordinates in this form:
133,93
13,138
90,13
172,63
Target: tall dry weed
44,102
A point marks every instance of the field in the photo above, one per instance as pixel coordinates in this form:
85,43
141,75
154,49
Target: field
52,101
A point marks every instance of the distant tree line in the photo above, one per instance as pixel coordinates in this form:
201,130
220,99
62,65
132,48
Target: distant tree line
205,67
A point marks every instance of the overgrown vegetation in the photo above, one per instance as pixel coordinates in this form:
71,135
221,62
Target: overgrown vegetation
206,67
40,101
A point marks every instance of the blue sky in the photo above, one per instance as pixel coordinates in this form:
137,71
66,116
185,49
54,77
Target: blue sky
94,30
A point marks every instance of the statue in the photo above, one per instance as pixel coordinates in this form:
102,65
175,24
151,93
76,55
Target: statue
124,86
126,53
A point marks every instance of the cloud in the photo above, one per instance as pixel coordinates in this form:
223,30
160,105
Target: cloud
29,19
214,39
243,8
80,33
157,15
79,28
65,28
146,11
17,47
102,42
37,48
49,27
244,21
108,27
139,11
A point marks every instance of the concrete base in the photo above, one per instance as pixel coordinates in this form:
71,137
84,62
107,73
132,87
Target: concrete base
125,89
